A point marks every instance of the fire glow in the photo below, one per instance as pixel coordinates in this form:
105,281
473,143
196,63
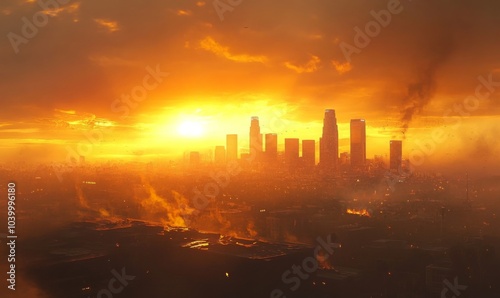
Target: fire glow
360,212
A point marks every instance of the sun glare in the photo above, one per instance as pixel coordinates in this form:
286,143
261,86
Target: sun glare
190,129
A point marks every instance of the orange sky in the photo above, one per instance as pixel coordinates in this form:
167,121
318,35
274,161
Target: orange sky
281,61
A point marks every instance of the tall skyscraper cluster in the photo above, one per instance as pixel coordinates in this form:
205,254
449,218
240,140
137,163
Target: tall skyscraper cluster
265,148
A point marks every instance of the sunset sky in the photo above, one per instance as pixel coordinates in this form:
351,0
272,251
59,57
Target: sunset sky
279,60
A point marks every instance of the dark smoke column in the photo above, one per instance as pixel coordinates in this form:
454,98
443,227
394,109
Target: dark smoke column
255,136
329,143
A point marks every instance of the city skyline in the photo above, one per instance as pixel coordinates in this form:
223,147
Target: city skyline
176,90
266,146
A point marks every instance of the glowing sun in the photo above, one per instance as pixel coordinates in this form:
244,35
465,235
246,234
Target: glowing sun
190,129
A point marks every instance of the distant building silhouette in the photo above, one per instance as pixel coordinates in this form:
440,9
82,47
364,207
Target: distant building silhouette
396,155
344,161
219,155
292,152
329,142
232,147
255,137
358,143
309,153
271,147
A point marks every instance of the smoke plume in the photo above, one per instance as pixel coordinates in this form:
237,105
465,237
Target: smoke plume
421,91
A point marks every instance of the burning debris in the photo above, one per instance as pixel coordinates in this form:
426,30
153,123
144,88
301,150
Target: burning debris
360,212
171,211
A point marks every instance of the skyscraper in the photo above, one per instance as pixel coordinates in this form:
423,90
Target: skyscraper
232,147
219,155
255,136
309,153
396,155
358,143
329,142
292,152
271,147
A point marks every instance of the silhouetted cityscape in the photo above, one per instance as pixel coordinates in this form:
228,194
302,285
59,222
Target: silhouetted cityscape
295,157
231,148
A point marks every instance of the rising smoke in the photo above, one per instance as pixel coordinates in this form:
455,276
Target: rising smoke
422,90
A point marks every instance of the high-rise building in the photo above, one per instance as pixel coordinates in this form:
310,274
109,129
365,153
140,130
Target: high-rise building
271,147
309,153
232,147
358,143
255,136
396,155
219,155
329,142
292,152
194,158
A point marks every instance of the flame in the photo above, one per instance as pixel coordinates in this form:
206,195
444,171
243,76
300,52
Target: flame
323,261
81,198
170,211
360,212
251,230
104,212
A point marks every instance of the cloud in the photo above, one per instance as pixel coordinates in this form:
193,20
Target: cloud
111,26
69,112
183,12
54,12
209,44
310,66
342,68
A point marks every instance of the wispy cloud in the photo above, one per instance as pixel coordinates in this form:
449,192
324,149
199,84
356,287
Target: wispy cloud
69,112
53,12
209,44
341,68
184,12
111,26
310,66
